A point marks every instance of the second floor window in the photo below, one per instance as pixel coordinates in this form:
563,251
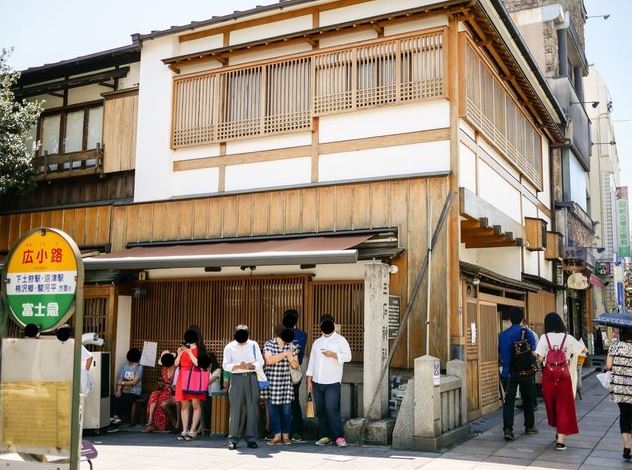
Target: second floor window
284,95
69,130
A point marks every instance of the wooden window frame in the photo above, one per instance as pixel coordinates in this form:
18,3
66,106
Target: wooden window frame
511,151
63,112
179,138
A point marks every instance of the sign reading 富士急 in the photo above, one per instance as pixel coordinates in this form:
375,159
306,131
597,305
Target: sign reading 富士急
41,278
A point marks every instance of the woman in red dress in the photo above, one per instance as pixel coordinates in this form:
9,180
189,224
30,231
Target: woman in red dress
187,356
156,417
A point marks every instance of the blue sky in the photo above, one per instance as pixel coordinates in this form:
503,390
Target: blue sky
58,30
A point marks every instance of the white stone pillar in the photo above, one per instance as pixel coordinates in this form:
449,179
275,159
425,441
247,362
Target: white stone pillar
376,282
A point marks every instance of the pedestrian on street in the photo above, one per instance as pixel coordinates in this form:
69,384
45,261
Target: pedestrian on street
290,319
279,357
188,355
620,363
324,377
555,351
241,357
516,348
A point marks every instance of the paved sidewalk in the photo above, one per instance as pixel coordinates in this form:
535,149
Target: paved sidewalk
597,446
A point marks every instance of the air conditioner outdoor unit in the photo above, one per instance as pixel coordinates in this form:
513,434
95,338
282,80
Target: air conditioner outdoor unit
96,408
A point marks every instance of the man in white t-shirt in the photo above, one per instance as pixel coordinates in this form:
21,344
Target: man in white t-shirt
324,377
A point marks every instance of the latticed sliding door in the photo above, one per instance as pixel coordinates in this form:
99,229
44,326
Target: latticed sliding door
472,360
488,350
168,308
345,301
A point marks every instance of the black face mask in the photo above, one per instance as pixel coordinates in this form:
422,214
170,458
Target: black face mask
327,327
241,336
287,336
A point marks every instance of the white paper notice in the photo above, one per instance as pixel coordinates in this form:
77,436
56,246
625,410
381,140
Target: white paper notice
150,350
473,330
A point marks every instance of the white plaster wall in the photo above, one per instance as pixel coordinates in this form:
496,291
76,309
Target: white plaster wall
270,53
579,181
269,174
368,9
546,268
349,38
271,29
322,272
49,101
467,168
465,127
86,93
269,143
385,121
498,192
505,261
200,67
153,155
417,25
504,163
469,255
531,262
201,181
191,153
545,194
133,76
528,208
203,44
429,157
123,330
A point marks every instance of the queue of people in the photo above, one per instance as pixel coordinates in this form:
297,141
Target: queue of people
273,378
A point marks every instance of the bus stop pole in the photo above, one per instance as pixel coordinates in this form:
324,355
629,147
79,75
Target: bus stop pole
75,425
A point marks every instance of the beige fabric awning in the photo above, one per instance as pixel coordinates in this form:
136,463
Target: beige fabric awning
291,251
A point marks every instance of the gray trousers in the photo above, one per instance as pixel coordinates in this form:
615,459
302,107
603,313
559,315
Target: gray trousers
244,403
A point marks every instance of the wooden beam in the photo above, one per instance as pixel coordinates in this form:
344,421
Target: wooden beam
473,206
306,150
68,83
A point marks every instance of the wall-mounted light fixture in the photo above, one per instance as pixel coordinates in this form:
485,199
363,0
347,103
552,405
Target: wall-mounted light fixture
605,17
213,269
594,104
612,142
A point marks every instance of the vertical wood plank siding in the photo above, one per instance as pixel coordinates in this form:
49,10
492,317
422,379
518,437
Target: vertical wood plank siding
216,305
120,116
491,109
88,226
283,96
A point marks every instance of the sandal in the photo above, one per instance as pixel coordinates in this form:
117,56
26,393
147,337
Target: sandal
182,436
274,442
149,428
191,436
287,442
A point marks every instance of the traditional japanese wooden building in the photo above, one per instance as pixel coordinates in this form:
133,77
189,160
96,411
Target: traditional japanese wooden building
284,157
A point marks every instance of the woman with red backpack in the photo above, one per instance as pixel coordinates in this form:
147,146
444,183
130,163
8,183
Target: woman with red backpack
555,350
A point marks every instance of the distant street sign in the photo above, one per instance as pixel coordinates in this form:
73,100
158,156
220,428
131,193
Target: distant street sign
40,278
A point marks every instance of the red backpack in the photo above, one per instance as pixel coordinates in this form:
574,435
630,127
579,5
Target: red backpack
555,362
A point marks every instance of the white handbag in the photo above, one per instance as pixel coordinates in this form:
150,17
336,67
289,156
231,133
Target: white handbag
605,378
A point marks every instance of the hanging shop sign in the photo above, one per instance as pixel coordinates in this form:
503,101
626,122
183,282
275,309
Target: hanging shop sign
577,281
574,258
40,278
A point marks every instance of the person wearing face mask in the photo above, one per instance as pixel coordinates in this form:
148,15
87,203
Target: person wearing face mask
241,357
324,377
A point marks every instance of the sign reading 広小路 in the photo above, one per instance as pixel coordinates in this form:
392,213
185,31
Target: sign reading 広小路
41,279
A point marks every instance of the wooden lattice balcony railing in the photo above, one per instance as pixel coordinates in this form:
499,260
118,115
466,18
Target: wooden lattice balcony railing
283,95
65,165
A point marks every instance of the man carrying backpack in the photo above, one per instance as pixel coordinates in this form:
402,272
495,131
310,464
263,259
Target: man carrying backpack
516,346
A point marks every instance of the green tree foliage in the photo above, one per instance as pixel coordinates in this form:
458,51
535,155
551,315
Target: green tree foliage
16,120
